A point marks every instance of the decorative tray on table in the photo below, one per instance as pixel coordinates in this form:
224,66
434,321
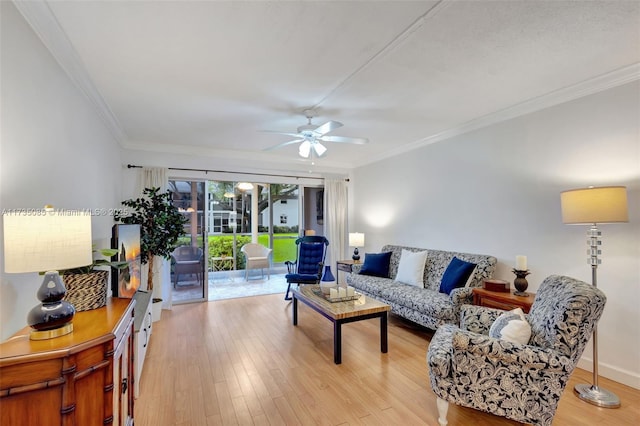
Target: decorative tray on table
318,292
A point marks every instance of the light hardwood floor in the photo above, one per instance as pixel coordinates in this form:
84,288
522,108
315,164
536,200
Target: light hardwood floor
240,361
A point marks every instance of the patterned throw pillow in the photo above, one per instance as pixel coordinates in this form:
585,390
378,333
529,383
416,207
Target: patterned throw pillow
411,268
511,326
376,264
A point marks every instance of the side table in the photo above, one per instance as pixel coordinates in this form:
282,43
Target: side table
344,266
502,300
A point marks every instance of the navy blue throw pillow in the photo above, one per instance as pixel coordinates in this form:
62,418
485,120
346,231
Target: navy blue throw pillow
376,264
456,275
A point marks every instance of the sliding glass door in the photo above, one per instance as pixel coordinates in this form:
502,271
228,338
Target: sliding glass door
244,212
189,260
222,217
283,215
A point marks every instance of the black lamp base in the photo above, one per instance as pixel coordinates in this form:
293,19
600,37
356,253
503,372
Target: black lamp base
356,255
52,318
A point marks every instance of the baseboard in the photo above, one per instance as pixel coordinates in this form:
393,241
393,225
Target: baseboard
613,373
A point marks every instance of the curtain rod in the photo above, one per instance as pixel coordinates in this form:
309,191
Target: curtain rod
132,166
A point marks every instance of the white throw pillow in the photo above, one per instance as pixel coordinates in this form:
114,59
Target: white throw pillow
411,268
512,327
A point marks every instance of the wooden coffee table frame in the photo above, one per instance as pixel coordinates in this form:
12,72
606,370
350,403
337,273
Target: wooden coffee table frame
342,313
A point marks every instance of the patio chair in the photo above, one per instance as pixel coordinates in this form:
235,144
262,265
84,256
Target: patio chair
256,256
520,381
187,260
307,268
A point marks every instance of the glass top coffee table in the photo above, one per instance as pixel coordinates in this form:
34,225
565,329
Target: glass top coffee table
341,313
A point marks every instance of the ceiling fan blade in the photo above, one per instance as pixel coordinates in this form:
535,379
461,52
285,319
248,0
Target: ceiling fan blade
344,139
328,127
283,144
295,135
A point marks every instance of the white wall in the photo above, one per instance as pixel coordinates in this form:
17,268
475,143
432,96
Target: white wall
497,191
54,149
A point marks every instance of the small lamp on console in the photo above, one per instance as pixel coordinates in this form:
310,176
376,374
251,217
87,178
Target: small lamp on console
590,206
47,240
356,239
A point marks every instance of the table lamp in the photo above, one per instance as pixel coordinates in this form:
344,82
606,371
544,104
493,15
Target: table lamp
356,239
47,241
590,206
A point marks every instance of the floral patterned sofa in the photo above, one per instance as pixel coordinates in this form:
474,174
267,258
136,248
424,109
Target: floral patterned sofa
426,306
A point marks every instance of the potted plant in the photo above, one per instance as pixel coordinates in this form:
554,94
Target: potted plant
87,285
161,224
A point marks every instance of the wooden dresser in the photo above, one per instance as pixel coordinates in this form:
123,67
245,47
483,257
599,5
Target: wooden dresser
83,378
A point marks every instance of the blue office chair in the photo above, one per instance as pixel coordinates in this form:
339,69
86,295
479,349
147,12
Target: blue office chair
307,268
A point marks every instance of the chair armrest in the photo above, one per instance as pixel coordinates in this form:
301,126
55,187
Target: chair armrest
291,266
440,351
478,319
461,296
320,268
356,267
503,354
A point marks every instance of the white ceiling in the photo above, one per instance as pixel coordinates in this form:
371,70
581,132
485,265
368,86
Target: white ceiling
204,77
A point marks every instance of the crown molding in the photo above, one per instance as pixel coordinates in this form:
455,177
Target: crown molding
600,83
39,16
243,158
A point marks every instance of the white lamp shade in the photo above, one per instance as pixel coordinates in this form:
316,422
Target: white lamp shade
304,149
319,149
46,241
356,239
606,204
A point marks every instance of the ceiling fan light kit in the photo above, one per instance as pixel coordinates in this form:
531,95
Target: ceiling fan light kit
310,136
308,148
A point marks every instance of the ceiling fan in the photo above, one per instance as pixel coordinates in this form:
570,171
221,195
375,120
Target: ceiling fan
310,137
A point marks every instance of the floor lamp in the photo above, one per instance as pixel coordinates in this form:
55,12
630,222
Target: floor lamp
590,206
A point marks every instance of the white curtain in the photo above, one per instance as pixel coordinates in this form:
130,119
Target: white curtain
335,202
156,177
152,177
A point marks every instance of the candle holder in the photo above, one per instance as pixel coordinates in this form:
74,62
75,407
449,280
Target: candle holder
520,283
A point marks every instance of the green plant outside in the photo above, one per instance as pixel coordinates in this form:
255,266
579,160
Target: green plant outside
284,246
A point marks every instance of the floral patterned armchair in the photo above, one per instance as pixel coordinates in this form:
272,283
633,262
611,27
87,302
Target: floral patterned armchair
520,382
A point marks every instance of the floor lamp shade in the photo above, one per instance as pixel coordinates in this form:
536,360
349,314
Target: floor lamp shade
591,206
47,241
606,204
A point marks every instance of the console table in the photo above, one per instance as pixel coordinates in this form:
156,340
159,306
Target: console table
82,378
502,300
344,266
